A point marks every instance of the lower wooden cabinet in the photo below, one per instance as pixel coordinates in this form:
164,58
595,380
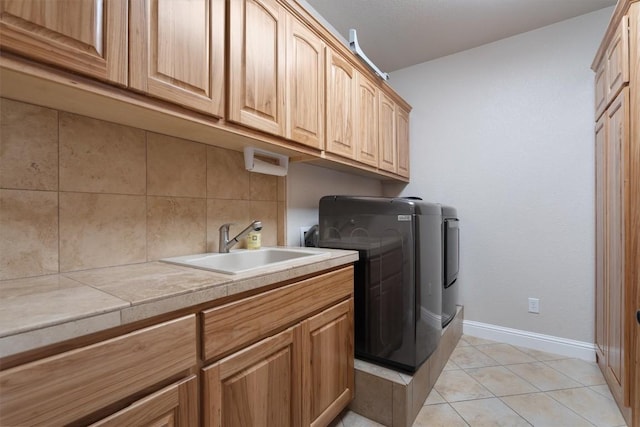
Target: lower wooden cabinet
612,141
327,364
78,384
299,376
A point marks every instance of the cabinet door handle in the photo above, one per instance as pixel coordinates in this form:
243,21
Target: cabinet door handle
638,316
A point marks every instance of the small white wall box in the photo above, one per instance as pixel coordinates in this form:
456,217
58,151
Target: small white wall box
278,167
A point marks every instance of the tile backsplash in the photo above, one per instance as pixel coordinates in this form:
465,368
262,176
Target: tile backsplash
79,193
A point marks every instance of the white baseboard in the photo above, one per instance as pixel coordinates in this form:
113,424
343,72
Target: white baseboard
548,343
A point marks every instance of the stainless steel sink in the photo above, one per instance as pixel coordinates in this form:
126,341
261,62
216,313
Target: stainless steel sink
245,260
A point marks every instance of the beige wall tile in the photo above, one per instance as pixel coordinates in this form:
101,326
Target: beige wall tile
100,230
226,211
373,398
101,157
421,387
282,189
402,401
264,187
282,220
175,226
175,167
227,177
28,233
267,212
28,146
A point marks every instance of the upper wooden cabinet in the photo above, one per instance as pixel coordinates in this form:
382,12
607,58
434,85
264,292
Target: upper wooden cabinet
387,140
366,119
89,37
257,55
402,134
262,64
177,52
617,60
305,85
601,88
341,95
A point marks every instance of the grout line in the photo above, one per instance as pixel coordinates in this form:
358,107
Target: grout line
562,404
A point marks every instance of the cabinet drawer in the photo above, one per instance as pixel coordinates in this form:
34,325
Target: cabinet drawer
601,88
618,60
71,385
239,323
175,405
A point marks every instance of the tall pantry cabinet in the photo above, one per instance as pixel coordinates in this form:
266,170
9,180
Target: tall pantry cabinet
617,156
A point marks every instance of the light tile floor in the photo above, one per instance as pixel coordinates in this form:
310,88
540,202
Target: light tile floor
486,383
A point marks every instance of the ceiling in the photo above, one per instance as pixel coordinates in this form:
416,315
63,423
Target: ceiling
396,34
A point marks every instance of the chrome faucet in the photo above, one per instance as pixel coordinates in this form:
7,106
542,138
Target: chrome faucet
224,243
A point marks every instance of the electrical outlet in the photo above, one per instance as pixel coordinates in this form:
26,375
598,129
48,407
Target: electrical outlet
303,233
534,305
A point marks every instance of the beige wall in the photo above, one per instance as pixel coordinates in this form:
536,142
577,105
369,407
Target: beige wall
504,132
79,193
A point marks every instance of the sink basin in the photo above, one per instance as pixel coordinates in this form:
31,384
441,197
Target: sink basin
243,261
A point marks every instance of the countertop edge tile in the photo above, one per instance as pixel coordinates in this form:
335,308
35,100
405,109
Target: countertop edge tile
167,305
18,343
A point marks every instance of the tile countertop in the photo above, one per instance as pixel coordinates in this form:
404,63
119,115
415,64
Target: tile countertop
43,310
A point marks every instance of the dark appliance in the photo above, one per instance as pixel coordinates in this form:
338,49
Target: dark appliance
398,277
451,258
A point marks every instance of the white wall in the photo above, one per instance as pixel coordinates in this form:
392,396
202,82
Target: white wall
504,132
306,184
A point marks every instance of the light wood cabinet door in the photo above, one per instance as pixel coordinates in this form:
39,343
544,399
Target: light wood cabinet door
257,386
327,356
402,140
617,145
177,52
387,138
305,85
341,94
173,406
366,119
601,88
617,59
601,282
88,37
257,55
